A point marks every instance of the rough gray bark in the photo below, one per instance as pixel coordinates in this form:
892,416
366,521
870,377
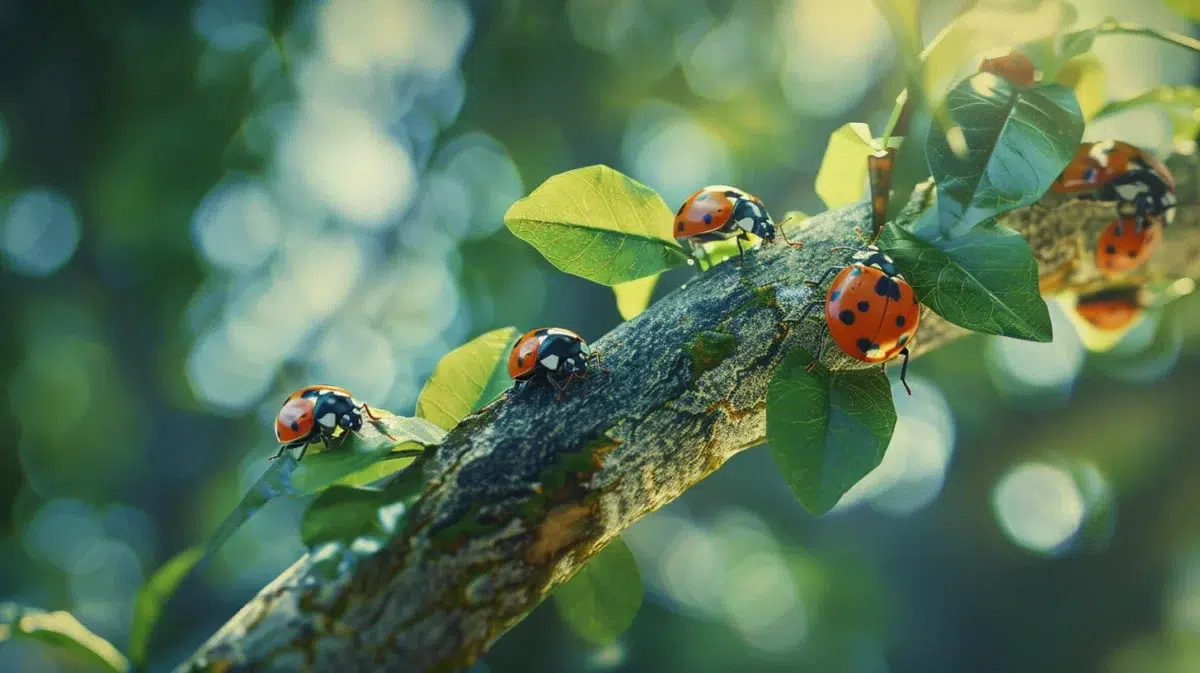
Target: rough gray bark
524,491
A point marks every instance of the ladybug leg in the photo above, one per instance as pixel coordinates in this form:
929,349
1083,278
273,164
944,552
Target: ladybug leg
741,253
824,277
904,371
817,355
812,306
282,449
304,449
561,388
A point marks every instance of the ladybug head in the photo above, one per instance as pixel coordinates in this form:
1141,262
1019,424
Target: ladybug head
764,229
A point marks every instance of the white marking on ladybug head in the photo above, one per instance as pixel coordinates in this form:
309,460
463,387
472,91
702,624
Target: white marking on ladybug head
1130,191
584,348
746,223
328,420
345,419
550,362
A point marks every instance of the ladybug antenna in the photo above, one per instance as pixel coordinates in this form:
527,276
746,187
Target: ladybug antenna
783,235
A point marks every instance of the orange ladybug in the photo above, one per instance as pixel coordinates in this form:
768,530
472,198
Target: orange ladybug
1113,170
1014,67
871,312
720,212
550,354
1112,309
1123,246
314,413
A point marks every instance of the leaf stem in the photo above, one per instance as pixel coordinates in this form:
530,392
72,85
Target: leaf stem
1128,28
897,110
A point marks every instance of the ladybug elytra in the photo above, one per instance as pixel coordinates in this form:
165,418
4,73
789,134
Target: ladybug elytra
314,413
553,354
1111,309
1014,67
720,212
871,312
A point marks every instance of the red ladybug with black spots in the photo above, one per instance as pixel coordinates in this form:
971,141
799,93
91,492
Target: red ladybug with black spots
871,312
552,354
314,413
720,212
1111,309
1143,189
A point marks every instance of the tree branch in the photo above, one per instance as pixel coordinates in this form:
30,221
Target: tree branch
524,491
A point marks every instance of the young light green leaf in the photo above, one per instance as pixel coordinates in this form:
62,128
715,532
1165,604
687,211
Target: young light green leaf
827,430
842,178
960,46
602,599
634,296
1085,76
904,19
1182,96
60,629
153,597
1188,8
1018,142
985,280
467,378
599,224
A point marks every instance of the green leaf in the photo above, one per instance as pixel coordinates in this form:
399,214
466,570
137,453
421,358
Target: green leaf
1085,76
634,296
1188,8
842,178
1183,96
827,430
601,600
599,224
343,514
60,629
985,280
153,597
960,46
346,462
467,378
363,450
1018,142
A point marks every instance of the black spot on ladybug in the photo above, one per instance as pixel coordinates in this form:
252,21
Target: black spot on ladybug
679,225
886,287
295,426
900,321
1111,249
855,271
866,345
1132,254
835,295
847,317
680,211
703,196
732,194
902,340
708,218
863,306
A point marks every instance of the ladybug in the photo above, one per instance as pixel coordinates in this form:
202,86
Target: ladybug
1113,170
871,312
1014,67
1123,246
1111,309
314,413
554,354
720,212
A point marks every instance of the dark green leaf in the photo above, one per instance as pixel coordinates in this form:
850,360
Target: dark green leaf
827,430
599,224
602,599
153,596
60,629
985,280
911,168
1187,96
343,514
1018,142
467,378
